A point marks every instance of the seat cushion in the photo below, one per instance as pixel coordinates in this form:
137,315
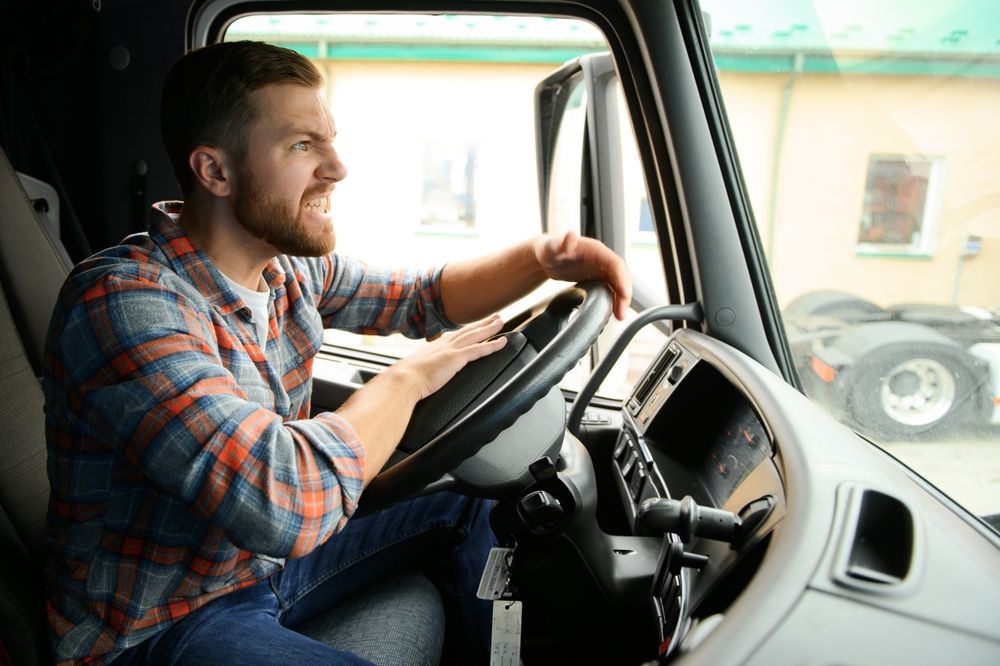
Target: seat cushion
399,622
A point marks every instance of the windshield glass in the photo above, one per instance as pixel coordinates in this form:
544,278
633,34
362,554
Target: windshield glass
866,134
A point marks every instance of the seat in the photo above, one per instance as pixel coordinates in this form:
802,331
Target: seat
379,625
32,268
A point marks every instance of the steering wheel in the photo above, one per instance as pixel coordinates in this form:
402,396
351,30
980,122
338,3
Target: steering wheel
491,394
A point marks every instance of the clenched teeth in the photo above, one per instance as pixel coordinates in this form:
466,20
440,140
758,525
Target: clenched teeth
321,205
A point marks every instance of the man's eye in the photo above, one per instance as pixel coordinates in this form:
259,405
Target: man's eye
301,145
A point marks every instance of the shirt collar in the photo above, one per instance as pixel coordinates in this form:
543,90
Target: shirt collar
194,266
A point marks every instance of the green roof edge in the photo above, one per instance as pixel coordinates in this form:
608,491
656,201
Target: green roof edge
876,64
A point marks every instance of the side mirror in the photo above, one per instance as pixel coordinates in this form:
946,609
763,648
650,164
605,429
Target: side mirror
578,147
582,181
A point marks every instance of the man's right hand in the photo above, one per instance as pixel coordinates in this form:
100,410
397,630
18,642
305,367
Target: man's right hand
433,365
381,409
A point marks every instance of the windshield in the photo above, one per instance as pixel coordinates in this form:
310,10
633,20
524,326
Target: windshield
866,134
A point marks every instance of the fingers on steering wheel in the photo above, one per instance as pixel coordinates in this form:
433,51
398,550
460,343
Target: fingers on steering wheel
621,286
476,340
477,331
487,347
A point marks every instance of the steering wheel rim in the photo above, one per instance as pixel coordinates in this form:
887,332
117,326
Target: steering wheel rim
471,431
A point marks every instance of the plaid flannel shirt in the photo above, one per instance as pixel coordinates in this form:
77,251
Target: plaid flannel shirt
182,457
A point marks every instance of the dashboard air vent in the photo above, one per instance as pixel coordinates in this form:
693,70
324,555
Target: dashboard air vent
878,548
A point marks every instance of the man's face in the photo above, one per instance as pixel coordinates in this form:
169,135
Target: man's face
282,194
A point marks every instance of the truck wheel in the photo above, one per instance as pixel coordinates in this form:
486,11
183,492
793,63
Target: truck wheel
904,393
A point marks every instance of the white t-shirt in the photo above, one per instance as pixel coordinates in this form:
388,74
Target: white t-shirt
258,302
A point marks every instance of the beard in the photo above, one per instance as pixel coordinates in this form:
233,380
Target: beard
278,221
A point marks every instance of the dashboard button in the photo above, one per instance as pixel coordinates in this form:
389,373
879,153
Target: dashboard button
630,459
594,417
620,448
638,481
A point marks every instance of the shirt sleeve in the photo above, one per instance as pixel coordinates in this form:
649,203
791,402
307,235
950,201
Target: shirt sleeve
148,379
354,296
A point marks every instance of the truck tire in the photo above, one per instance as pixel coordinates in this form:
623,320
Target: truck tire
912,391
835,304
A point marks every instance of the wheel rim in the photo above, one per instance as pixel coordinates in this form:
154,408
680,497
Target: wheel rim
918,392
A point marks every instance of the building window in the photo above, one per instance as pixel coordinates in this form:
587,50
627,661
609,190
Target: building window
449,194
898,212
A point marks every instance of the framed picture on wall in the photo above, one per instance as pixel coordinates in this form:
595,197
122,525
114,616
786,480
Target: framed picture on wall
899,211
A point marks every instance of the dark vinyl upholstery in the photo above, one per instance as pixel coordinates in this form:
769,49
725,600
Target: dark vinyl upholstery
33,264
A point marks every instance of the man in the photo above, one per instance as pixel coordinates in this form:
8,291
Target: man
193,497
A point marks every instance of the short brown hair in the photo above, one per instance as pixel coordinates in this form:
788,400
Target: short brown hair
207,97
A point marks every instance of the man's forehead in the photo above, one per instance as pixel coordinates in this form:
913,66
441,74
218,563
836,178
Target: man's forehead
290,108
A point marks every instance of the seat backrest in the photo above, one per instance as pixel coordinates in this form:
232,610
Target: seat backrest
24,485
24,491
33,265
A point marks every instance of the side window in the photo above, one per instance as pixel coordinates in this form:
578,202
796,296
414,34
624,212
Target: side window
435,119
436,124
868,146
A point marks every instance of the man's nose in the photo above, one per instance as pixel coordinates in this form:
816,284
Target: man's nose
332,168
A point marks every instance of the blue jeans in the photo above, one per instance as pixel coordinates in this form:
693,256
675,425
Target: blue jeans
446,535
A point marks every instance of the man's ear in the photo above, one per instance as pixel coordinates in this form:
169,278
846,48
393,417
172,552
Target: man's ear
212,170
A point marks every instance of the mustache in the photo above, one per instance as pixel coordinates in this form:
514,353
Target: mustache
318,192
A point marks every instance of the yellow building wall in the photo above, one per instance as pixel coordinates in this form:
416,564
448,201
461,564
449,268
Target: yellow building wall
833,125
808,217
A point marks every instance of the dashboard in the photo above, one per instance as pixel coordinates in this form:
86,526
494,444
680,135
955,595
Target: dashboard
838,552
837,538
688,432
667,449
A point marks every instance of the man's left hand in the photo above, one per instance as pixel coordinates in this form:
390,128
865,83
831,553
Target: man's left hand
574,259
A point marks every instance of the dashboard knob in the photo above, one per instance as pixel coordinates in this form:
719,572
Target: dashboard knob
686,518
540,509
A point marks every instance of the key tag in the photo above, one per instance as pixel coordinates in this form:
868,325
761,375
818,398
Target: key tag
496,573
505,640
